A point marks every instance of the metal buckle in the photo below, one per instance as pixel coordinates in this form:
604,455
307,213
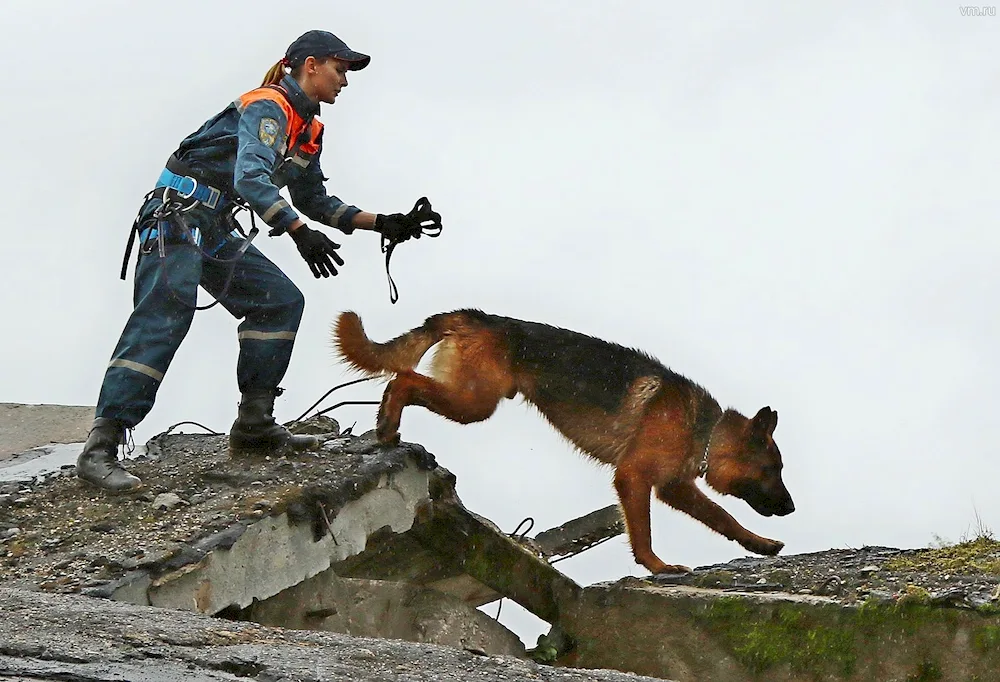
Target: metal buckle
193,189
213,198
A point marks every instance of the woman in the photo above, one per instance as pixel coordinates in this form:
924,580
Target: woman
267,139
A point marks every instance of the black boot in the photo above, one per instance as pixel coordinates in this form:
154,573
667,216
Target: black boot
98,463
256,431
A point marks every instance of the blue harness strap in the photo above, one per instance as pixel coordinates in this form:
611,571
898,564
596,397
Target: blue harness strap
189,188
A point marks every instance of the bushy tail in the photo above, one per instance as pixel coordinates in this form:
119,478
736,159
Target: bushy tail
400,354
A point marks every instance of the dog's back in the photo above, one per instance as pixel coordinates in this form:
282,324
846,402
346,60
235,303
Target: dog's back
588,388
565,366
550,364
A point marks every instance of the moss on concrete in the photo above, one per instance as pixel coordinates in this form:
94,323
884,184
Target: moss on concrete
787,636
833,640
714,579
987,639
926,672
979,556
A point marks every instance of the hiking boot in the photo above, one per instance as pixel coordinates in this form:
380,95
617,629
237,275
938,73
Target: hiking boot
256,430
98,463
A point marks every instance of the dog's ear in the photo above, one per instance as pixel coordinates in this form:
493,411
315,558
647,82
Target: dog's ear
764,423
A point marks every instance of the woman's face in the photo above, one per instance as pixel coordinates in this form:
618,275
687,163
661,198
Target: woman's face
324,79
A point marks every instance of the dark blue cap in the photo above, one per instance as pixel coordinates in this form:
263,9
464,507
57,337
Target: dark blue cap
323,44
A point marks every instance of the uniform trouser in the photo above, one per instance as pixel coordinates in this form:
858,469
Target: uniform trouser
164,298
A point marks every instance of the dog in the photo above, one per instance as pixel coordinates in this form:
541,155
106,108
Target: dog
659,430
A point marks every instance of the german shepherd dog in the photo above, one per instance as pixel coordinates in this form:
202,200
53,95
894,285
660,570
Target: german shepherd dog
659,430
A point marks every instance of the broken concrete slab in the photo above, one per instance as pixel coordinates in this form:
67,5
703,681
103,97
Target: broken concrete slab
379,608
23,427
66,637
579,535
239,537
691,634
475,547
245,530
366,538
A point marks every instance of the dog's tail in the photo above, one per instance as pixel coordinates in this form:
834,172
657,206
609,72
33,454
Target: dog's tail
400,354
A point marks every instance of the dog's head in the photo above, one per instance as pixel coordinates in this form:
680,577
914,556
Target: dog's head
748,465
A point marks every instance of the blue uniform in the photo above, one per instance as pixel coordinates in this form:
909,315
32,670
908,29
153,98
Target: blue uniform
265,140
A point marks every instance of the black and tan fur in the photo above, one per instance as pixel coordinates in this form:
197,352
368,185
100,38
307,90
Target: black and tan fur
616,404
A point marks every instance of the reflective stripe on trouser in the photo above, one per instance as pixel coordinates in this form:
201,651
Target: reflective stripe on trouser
269,303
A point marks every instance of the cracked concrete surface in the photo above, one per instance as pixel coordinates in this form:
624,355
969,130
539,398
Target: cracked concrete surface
65,637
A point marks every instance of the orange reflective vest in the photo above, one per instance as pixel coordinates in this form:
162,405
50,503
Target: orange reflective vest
302,138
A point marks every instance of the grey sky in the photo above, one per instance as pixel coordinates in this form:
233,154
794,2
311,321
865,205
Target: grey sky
794,205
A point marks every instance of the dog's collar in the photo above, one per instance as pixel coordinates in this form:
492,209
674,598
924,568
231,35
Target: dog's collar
703,465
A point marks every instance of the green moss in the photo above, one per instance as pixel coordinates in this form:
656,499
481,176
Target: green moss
987,639
927,671
978,556
786,637
715,579
914,595
989,609
779,576
905,616
761,638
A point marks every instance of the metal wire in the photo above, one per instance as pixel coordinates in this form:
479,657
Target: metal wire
324,396
201,426
531,524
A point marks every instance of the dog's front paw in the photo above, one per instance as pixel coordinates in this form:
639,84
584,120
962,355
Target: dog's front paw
386,432
763,546
387,436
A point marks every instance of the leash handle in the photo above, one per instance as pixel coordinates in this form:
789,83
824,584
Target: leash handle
426,218
387,249
426,221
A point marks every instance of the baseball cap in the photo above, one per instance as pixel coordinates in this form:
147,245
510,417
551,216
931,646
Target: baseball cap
324,44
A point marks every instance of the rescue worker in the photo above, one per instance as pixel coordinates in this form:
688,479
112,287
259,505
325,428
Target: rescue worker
267,139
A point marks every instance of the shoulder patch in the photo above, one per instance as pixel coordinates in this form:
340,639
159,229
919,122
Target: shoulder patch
268,131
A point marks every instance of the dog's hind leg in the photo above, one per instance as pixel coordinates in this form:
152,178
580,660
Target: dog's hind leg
686,497
473,399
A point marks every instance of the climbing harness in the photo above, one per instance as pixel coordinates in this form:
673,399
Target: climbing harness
172,213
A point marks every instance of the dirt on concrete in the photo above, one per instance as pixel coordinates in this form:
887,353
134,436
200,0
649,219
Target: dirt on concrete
965,575
58,534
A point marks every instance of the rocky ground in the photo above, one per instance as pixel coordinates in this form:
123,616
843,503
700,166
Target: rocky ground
66,637
59,535
59,538
966,575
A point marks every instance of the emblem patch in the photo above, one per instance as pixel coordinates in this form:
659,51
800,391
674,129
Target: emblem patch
268,132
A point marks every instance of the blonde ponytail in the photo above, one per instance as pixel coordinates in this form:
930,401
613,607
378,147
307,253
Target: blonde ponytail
275,73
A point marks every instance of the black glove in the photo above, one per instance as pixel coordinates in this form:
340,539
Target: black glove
398,227
395,227
318,250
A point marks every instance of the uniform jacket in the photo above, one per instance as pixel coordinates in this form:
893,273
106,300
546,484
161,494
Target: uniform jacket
267,139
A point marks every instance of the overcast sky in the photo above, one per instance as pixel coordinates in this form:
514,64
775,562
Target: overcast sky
793,204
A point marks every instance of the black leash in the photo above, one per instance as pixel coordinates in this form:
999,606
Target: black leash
426,221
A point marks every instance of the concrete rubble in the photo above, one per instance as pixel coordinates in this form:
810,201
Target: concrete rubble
65,637
274,563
